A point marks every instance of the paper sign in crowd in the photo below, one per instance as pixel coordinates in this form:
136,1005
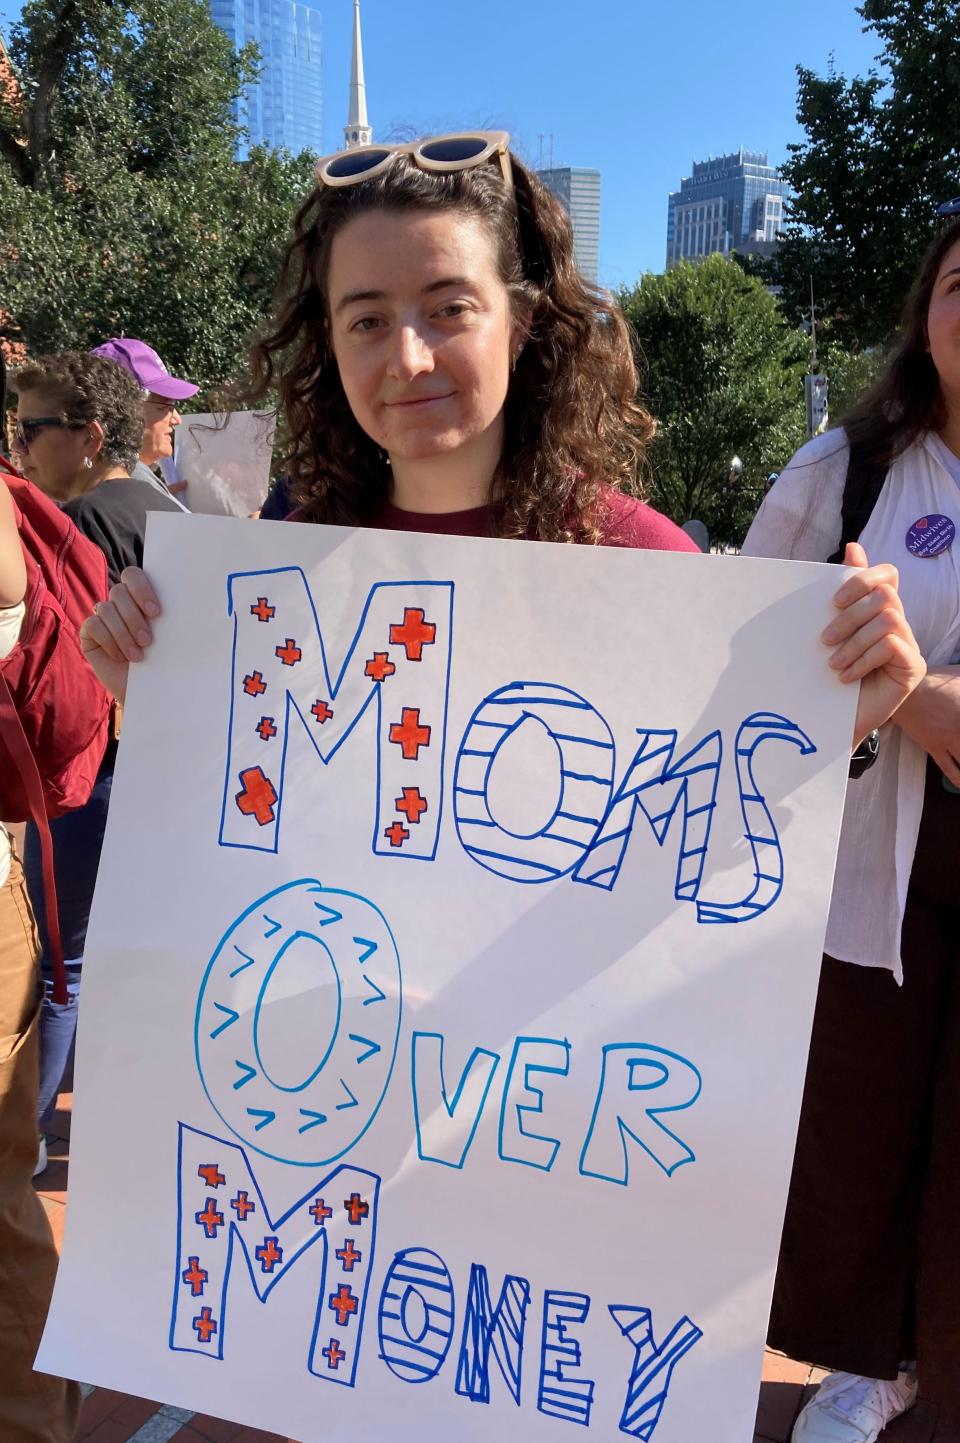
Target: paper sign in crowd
225,460
449,986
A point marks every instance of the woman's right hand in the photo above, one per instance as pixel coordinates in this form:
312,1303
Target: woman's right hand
931,716
119,631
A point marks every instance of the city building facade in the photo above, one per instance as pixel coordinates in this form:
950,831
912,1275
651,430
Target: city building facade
733,202
578,189
285,106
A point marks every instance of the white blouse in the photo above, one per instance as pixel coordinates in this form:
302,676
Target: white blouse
800,518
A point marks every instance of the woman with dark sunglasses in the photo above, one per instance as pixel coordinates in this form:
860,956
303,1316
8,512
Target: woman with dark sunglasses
78,432
869,1276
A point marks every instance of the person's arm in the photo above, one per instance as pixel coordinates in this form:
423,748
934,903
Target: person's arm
119,631
931,716
872,642
13,570
870,639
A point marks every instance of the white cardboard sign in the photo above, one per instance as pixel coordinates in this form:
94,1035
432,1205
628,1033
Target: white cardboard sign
449,986
225,460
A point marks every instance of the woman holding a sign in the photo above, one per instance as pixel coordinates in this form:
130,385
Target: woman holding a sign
443,367
869,1276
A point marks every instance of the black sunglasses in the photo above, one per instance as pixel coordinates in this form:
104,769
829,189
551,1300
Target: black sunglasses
29,429
949,207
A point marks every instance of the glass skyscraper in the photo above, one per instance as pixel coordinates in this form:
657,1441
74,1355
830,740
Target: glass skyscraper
732,203
579,191
285,107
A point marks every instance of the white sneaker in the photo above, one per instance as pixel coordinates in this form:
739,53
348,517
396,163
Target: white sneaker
849,1409
41,1156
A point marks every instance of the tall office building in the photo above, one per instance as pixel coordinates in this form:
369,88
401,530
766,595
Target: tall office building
732,203
285,106
579,192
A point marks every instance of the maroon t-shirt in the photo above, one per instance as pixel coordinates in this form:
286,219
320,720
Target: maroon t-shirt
627,522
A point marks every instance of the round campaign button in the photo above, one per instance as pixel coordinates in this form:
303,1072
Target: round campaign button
931,535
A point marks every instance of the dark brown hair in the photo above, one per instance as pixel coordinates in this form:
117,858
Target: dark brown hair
908,399
81,387
572,422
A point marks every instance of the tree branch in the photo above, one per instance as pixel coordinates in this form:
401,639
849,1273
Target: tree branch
18,156
66,24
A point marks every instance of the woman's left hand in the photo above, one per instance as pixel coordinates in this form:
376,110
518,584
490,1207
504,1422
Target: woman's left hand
872,642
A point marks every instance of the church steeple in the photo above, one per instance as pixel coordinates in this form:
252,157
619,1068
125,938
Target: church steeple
357,130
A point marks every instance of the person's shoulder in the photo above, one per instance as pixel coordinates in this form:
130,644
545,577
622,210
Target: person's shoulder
130,493
800,517
79,506
626,521
118,503
828,452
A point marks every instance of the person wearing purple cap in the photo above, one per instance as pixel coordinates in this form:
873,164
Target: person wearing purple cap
160,414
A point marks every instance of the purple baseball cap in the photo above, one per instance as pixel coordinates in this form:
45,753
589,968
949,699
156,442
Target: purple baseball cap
145,366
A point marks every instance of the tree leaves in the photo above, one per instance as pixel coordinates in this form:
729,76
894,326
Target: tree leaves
881,153
123,208
724,377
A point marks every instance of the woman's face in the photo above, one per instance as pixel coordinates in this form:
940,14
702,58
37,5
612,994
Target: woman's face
53,457
943,327
422,330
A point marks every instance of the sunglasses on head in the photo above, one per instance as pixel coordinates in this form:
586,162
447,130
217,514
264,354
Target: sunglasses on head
28,430
439,153
949,207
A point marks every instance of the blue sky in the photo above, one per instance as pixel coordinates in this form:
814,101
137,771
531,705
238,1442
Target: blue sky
636,88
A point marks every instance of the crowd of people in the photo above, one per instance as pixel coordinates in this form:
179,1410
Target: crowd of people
441,366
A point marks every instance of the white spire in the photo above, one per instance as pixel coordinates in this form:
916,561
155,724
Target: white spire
357,130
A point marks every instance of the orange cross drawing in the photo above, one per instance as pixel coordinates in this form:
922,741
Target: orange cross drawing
205,1326
195,1276
348,1255
379,667
269,1254
334,1354
343,1304
414,634
210,1219
409,735
357,1210
258,796
412,804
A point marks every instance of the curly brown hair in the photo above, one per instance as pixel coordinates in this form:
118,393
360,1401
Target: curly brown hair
572,423
908,398
81,387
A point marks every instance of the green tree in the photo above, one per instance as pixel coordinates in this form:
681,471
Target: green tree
881,152
850,373
122,206
723,377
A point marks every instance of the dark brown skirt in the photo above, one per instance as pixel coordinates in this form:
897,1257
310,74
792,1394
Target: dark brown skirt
869,1271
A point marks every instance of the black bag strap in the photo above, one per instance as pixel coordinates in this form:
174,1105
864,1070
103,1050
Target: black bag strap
861,490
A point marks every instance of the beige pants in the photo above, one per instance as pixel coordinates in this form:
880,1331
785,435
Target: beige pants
34,1408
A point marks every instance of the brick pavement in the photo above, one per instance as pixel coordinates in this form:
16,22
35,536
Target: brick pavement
110,1417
